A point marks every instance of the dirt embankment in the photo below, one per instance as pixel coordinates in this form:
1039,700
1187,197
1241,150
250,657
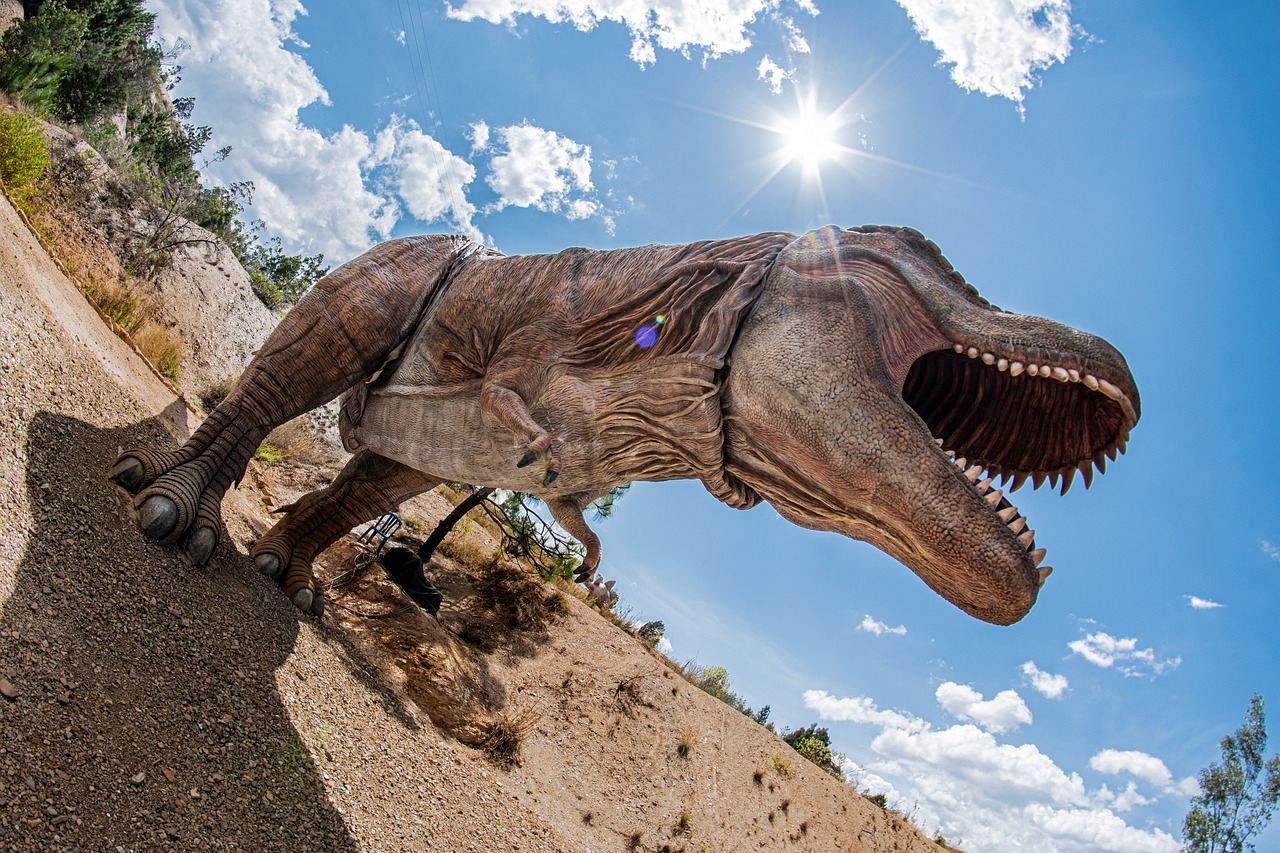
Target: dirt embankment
150,705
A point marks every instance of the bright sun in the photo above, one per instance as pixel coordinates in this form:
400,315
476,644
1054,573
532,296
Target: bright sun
809,138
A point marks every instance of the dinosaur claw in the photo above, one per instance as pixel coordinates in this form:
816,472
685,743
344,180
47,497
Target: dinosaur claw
268,564
200,544
303,598
157,517
127,473
527,459
551,477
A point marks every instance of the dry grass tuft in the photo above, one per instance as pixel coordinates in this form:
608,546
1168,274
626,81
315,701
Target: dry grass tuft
506,734
162,348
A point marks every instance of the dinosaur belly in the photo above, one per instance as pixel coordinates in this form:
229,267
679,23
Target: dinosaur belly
658,422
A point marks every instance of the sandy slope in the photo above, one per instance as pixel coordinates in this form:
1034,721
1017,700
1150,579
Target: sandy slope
164,707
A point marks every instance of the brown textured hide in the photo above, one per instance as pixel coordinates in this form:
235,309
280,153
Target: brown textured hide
819,373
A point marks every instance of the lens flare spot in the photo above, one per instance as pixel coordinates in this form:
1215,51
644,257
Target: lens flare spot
646,336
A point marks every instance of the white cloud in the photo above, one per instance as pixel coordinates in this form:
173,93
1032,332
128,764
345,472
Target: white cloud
664,646
996,46
773,74
1140,764
859,709
716,27
478,133
428,177
1199,603
1004,712
1270,550
1047,684
996,796
317,192
872,626
543,170
1102,649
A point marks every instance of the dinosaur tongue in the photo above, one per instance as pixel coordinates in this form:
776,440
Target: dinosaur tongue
1003,508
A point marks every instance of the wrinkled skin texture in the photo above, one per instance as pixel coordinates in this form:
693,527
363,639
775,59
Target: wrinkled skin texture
836,375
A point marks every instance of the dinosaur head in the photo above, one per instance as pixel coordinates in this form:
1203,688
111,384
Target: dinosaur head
874,393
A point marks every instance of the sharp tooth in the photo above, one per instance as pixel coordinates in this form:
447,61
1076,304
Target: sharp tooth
1037,480
994,497
958,347
1002,364
1018,525
1018,481
1060,374
1033,369
1090,381
1100,459
1005,477
1073,374
1044,574
988,358
972,352
985,484
1124,443
1007,514
1026,537
1067,476
1016,368
1037,556
1086,471
1111,454
1110,390
1053,480
973,473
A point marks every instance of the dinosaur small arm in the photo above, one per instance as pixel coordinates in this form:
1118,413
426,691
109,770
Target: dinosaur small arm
849,377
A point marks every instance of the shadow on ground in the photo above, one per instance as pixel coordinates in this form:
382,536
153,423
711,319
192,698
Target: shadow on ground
147,713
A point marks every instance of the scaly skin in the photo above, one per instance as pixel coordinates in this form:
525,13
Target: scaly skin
836,375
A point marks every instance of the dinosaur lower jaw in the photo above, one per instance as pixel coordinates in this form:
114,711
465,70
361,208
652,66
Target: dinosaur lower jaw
1004,509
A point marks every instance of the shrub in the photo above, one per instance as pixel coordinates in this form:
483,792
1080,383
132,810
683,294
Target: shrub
215,394
24,155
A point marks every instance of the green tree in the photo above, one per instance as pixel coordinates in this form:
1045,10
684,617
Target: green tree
1238,796
650,633
814,743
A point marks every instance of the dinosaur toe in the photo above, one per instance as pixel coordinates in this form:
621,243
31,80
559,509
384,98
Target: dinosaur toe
127,473
158,516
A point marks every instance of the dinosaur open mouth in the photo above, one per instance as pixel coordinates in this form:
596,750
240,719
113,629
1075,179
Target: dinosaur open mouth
1013,420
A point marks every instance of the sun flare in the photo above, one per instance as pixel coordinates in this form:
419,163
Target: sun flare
809,139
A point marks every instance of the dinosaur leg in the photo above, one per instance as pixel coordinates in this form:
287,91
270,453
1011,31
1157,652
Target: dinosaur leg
342,332
568,514
509,409
368,486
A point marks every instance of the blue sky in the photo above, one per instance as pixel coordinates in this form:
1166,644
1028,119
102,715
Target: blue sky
1109,165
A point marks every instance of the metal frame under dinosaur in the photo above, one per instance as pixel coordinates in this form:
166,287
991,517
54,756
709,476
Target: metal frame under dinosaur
851,378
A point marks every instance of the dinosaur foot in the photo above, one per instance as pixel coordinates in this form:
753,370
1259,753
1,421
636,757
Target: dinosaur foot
291,568
178,494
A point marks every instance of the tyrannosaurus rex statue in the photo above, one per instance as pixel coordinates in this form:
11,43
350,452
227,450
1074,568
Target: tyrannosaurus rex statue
837,375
